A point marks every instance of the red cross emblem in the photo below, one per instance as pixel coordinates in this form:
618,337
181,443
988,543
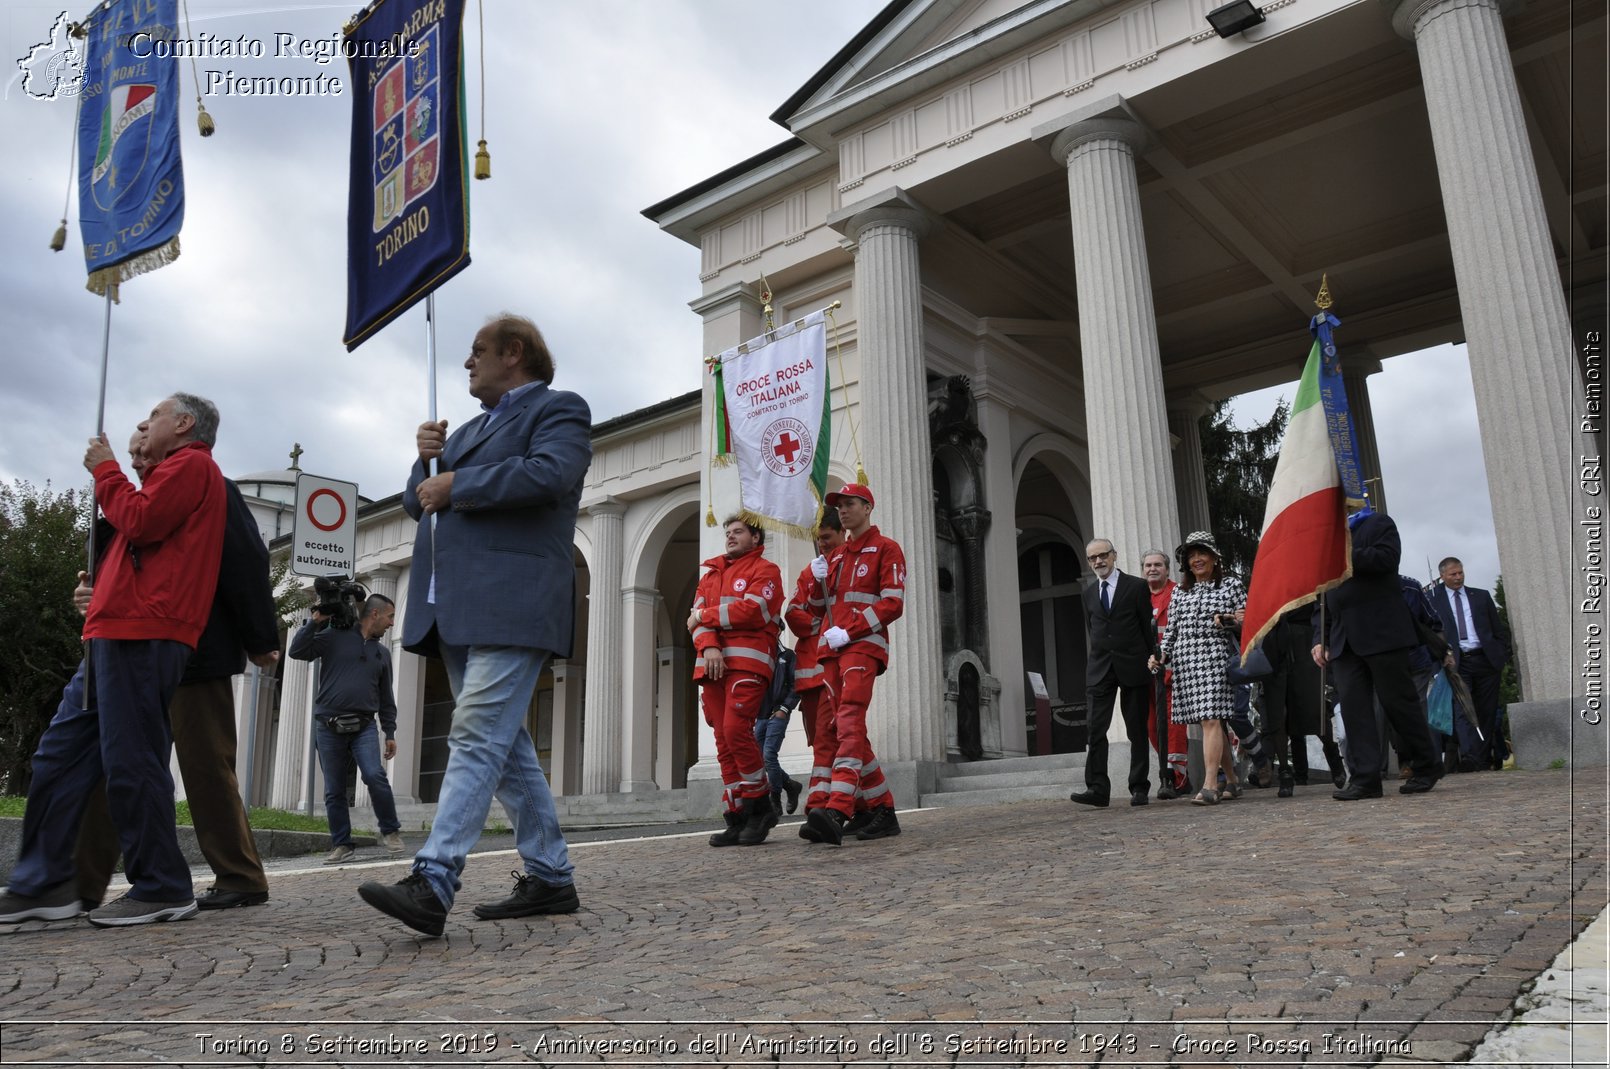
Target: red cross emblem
787,445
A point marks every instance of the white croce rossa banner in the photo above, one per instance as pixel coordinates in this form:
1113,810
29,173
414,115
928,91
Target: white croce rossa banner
772,422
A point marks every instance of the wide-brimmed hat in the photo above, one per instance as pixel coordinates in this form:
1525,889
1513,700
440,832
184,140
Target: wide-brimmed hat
1197,540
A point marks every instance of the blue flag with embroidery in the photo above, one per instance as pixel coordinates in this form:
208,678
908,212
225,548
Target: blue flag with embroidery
1338,417
408,218
130,179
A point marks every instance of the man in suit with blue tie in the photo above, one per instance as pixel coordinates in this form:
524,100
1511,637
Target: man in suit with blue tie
1482,650
1121,636
492,593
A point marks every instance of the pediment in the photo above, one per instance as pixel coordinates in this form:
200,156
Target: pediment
905,41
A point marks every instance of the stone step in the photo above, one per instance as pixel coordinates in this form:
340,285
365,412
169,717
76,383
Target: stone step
996,796
1062,761
1047,777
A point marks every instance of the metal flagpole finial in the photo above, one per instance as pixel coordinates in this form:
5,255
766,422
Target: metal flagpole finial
1322,299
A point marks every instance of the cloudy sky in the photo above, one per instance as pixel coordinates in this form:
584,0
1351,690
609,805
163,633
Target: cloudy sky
595,110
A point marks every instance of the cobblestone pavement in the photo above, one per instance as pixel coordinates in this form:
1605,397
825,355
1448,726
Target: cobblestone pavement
1262,932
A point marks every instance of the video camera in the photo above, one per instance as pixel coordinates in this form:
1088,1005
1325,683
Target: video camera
340,599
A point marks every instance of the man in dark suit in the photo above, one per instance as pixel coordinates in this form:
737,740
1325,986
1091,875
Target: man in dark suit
1121,637
492,593
1481,651
1365,634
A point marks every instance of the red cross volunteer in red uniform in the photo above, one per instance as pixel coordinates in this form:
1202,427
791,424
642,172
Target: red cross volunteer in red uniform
863,591
804,616
735,620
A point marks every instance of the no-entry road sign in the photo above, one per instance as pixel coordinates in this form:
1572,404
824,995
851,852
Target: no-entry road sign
324,534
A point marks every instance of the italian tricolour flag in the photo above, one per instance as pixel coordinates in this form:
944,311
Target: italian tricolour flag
1304,550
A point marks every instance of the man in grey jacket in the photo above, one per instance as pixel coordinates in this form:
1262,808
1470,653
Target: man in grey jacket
492,593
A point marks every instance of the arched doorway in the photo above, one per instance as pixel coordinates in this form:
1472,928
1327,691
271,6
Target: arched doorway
1050,567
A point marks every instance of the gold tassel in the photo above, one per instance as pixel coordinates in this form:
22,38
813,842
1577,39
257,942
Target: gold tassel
58,241
860,474
483,161
710,516
204,121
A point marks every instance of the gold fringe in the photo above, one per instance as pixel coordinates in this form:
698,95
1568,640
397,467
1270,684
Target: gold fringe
723,460
483,161
776,526
58,241
150,260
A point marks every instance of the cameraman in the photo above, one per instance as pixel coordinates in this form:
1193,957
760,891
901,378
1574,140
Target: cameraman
354,684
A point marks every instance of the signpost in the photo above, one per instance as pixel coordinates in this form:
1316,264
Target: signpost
324,533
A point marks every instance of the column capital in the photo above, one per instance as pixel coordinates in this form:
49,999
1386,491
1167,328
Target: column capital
892,206
1408,15
607,507
1192,404
1358,362
1104,120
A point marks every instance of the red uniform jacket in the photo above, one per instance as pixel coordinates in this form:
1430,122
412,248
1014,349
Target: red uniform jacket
804,617
739,603
159,575
865,592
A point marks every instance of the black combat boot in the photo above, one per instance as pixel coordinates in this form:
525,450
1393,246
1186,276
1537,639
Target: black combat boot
759,818
729,835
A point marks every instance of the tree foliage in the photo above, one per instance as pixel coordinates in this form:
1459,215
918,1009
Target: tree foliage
1240,464
42,540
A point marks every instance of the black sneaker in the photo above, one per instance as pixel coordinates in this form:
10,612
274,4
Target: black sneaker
882,825
531,896
213,898
410,900
792,789
828,824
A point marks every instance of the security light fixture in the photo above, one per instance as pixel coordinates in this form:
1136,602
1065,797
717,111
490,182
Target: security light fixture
1234,17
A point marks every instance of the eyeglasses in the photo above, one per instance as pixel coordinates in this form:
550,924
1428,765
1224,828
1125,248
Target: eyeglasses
1097,558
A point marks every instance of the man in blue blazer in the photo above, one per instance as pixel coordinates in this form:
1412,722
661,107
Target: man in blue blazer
1480,644
492,593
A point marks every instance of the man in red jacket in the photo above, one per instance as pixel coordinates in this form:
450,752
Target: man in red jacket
152,597
804,618
863,588
734,623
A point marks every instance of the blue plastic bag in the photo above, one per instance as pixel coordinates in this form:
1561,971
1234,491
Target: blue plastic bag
1439,704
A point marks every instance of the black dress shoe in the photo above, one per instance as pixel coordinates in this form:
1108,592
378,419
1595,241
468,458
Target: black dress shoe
410,900
1167,793
1416,785
1088,798
1354,791
531,896
216,899
1139,798
792,789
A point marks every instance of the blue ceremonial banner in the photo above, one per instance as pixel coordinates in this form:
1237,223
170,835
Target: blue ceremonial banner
408,219
1338,418
130,180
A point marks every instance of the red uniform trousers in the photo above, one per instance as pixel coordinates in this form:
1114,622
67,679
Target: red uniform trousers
841,743
809,703
730,705
1179,743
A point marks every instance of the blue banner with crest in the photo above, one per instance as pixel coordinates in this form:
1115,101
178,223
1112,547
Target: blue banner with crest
130,177
1338,418
408,218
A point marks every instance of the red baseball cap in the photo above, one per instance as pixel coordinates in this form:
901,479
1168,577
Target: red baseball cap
850,490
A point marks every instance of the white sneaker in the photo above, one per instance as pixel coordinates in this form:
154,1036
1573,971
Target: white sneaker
394,842
341,853
121,912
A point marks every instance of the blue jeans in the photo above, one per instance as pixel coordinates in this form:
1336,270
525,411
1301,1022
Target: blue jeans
337,753
490,752
124,736
769,732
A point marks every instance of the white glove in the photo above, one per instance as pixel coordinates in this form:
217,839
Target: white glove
835,637
819,567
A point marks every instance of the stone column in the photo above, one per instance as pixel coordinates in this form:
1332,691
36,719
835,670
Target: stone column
1190,475
1517,329
670,710
291,742
1000,567
564,772
638,665
908,724
601,754
1132,485
1356,368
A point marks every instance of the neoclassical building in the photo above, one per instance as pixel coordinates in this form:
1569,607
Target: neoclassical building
1057,232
